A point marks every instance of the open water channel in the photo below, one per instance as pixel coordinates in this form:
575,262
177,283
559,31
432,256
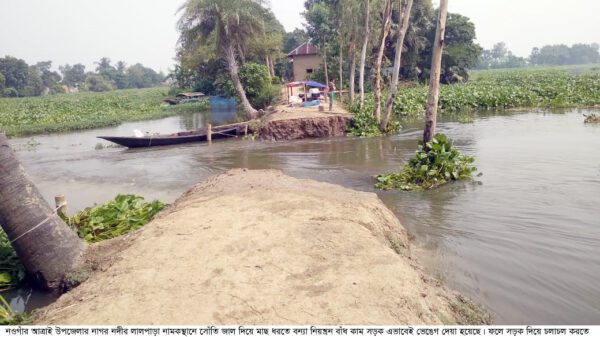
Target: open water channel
523,239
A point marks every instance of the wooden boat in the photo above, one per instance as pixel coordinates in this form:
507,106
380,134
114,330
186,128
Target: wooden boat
172,139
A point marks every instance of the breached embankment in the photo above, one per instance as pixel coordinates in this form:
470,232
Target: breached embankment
289,123
259,247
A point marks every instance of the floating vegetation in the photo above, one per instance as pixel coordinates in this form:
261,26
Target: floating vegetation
66,112
426,170
115,218
12,271
497,90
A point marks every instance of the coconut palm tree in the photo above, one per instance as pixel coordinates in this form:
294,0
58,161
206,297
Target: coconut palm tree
233,22
46,246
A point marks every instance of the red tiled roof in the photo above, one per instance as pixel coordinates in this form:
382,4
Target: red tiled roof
306,48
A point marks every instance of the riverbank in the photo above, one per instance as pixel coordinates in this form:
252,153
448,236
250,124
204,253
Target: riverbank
269,249
289,123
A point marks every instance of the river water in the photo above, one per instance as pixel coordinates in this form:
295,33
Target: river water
523,239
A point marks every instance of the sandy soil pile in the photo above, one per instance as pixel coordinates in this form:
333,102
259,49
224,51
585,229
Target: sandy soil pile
259,247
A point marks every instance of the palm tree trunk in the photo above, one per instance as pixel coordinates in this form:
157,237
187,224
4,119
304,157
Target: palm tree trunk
341,71
385,29
363,56
352,69
434,79
229,50
405,7
49,251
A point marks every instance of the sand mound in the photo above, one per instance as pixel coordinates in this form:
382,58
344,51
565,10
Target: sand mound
259,247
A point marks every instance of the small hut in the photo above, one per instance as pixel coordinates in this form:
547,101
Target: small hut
305,59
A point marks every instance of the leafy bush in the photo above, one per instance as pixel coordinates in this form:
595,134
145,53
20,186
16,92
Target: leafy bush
442,164
97,83
118,217
10,92
364,124
256,82
11,270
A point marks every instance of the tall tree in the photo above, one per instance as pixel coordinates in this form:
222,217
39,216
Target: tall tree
320,26
73,76
233,22
404,8
434,80
363,53
386,23
45,245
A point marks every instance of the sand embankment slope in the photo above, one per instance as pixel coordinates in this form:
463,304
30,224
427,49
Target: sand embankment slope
259,247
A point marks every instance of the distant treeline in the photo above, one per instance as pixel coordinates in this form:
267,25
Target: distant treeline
19,79
550,55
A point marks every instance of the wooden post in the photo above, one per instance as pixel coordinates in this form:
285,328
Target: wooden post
209,134
61,205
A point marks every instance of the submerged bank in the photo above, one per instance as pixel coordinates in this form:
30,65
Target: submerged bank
259,247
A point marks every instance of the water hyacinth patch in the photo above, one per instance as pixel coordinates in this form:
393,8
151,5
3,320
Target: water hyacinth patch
499,90
426,170
117,217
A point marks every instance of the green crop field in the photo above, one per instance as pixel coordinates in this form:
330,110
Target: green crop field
35,115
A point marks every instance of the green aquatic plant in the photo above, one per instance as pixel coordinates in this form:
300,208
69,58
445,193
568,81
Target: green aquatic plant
429,169
593,118
117,217
495,90
65,112
12,271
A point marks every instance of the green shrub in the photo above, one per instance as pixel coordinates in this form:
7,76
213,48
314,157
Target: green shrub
442,164
364,124
118,217
12,271
256,82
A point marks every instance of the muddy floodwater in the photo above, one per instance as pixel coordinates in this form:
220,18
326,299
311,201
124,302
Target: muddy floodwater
523,239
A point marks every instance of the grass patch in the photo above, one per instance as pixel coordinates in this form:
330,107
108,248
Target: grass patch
67,112
426,170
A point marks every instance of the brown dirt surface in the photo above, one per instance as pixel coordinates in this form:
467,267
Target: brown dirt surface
259,247
287,123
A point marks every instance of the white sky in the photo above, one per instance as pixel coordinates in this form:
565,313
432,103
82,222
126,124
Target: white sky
83,31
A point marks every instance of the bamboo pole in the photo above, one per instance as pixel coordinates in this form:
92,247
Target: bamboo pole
61,205
209,134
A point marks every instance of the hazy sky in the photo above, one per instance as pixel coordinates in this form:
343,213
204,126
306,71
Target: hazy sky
72,31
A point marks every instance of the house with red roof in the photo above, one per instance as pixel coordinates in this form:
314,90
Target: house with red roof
305,59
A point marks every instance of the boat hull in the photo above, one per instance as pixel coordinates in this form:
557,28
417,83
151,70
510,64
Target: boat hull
166,140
